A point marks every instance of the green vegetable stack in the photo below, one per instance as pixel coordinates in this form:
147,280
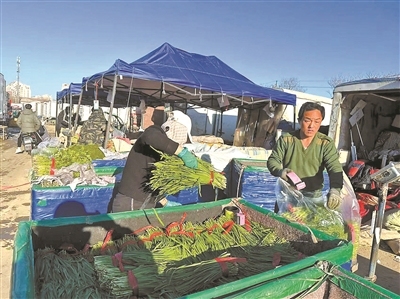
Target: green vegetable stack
319,218
165,262
77,153
170,175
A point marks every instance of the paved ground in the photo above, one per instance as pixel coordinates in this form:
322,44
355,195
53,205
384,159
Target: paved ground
15,207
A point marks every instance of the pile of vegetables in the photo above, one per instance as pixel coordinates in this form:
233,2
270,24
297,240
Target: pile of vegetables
56,158
319,218
170,175
61,275
166,262
327,221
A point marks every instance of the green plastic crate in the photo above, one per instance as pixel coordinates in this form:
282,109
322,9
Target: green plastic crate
32,235
323,280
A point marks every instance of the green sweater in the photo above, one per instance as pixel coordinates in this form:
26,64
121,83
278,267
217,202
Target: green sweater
309,163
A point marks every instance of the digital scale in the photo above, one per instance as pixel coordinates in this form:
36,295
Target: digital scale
385,176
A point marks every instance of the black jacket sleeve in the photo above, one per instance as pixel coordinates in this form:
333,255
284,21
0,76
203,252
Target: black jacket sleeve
156,137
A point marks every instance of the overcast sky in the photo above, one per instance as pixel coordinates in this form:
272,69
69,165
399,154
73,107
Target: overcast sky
314,41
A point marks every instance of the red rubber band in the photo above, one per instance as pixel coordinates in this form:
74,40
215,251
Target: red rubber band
118,257
211,178
133,283
106,240
142,229
276,260
53,166
222,261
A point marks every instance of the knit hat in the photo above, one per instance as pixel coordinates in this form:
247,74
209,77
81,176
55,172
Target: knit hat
178,127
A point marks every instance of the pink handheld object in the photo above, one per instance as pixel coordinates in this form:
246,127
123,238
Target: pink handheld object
296,181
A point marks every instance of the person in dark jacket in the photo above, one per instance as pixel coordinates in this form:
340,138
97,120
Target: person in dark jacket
132,192
63,120
29,122
307,153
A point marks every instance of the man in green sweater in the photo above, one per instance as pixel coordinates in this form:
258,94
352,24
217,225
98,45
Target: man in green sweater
307,153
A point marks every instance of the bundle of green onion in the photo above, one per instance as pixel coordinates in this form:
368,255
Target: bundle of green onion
61,275
188,278
170,175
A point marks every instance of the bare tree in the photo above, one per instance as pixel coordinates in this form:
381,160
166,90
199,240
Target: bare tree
289,83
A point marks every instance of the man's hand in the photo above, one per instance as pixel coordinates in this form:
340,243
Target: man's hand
284,173
189,159
334,199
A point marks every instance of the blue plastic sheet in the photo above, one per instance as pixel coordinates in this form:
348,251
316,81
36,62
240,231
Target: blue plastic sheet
192,195
115,162
55,202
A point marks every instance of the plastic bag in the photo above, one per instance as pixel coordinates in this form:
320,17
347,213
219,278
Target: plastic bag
294,206
344,223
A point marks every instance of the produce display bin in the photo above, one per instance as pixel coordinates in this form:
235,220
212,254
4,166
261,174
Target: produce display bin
79,231
192,195
55,202
251,180
323,280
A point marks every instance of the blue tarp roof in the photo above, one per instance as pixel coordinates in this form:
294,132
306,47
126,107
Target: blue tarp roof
88,95
73,89
169,74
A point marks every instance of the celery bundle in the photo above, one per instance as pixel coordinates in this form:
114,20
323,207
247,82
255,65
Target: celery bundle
170,175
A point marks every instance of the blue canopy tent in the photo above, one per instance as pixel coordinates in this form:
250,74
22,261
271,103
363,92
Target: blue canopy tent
168,74
75,91
171,75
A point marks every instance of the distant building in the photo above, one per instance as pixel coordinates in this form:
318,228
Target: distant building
24,91
43,97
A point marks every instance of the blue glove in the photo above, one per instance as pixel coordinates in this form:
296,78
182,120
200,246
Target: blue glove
172,204
188,158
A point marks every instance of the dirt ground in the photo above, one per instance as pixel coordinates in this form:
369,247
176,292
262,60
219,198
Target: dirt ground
16,201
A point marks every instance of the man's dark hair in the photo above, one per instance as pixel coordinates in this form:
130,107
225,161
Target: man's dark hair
28,106
308,106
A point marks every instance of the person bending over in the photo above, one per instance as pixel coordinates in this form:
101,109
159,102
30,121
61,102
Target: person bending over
133,193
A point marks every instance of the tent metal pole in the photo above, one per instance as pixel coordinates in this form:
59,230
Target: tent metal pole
55,127
70,110
77,113
110,111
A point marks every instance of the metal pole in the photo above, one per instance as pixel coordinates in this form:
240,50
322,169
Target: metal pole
110,111
77,112
377,232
